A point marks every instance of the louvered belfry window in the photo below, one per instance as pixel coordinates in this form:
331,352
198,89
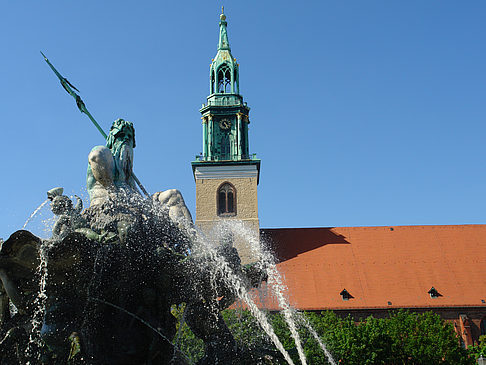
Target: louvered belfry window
224,80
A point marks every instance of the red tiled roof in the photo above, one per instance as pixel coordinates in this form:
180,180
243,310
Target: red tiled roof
377,265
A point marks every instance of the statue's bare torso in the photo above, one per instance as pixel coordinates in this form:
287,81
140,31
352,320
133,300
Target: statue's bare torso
110,171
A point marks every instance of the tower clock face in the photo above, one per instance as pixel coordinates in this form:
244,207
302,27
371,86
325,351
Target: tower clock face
225,124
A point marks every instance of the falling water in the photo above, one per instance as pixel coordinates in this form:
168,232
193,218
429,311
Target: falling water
220,264
34,213
314,334
40,300
275,281
219,267
12,309
267,262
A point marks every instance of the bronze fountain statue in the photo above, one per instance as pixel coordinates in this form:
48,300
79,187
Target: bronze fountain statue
111,272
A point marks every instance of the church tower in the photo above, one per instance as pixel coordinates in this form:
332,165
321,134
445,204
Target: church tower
226,174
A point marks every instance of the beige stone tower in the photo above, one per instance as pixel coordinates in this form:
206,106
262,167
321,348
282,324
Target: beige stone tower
226,174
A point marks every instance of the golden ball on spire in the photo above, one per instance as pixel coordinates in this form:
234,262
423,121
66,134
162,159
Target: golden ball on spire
222,16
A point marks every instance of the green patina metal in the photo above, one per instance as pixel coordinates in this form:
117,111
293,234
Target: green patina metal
79,102
225,115
82,108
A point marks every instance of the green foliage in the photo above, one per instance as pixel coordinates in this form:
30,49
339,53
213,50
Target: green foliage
403,338
425,339
480,348
245,328
184,339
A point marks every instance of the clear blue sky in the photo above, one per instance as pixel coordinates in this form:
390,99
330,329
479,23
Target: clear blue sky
363,112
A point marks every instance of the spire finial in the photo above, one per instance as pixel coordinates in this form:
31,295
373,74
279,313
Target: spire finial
223,35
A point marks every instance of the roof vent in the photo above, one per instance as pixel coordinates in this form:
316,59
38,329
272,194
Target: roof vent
345,295
434,293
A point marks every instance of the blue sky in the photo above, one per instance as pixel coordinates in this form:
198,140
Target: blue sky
363,112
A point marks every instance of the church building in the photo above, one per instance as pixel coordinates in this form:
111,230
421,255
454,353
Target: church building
360,271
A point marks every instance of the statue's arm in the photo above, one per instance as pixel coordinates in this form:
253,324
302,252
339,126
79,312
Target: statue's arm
79,204
101,167
90,179
56,229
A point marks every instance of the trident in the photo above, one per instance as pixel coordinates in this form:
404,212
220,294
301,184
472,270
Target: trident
82,108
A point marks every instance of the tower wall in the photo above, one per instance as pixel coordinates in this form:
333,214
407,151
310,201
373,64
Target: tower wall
244,178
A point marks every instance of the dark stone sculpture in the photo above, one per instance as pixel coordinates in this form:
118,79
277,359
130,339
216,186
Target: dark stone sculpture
113,299
111,274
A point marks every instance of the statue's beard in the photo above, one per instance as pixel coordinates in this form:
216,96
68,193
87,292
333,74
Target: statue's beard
124,158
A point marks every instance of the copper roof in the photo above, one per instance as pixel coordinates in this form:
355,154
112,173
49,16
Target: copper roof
382,267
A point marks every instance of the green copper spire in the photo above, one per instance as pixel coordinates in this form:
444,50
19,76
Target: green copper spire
223,34
224,69
225,116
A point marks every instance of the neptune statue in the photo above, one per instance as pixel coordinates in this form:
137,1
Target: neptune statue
111,167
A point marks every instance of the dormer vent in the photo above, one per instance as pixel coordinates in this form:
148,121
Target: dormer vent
345,295
434,293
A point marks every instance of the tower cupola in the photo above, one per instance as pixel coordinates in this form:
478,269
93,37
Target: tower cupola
225,116
224,69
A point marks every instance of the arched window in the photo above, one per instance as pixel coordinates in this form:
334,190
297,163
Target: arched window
226,200
224,80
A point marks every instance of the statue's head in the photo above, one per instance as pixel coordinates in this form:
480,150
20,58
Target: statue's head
121,131
61,204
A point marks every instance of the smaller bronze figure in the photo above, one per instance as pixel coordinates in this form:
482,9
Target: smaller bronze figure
69,217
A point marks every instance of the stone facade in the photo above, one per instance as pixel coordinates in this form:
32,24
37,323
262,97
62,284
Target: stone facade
246,207
246,199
